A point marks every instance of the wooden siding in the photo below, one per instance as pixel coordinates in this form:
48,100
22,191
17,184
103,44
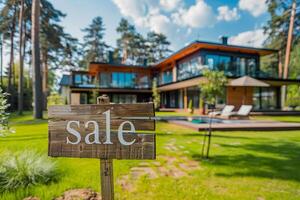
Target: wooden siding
238,96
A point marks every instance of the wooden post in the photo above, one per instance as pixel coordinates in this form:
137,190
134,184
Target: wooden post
185,99
106,167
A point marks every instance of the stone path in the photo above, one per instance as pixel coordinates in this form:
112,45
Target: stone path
163,166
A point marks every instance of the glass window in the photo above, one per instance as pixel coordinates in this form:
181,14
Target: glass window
190,68
144,82
84,80
105,80
115,79
251,65
265,98
77,79
218,62
167,77
124,98
83,98
121,81
193,95
128,80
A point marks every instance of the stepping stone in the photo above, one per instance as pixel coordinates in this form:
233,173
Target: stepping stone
83,194
177,173
163,171
156,164
31,198
125,183
144,164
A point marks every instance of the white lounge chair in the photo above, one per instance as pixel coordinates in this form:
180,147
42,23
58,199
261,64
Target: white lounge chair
243,112
225,112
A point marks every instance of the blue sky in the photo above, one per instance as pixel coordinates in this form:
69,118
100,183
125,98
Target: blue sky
182,21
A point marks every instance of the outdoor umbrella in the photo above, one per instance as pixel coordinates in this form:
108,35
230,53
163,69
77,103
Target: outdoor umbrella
247,81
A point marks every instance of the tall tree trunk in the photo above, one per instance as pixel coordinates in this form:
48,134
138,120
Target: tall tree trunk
1,57
21,55
37,76
11,62
287,53
45,78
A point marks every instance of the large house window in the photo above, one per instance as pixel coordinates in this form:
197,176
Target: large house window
218,62
167,77
190,68
84,80
123,80
266,98
246,66
143,82
232,65
105,80
124,98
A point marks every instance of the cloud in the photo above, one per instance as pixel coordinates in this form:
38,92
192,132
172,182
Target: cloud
161,24
199,15
226,14
170,5
253,38
255,7
132,8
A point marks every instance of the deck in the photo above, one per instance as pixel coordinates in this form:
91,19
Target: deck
241,125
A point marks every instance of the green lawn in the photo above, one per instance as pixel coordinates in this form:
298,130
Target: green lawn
279,118
169,113
243,165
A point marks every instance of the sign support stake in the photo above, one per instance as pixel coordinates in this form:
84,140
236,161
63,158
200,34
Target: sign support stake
106,167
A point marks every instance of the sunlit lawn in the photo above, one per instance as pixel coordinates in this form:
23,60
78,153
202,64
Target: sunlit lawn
243,165
279,118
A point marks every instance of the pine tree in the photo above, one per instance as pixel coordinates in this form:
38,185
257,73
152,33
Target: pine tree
21,58
8,26
94,45
158,47
37,78
126,43
278,26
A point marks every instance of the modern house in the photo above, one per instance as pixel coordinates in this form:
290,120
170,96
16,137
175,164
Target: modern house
178,77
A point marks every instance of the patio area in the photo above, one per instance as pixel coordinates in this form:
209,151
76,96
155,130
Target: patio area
240,125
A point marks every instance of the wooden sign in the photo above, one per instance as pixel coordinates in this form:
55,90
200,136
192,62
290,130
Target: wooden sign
105,131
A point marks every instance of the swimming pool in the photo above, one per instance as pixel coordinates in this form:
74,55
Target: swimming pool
202,120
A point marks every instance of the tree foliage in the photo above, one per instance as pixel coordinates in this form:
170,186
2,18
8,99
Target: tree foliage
277,28
94,46
134,48
213,86
4,115
155,95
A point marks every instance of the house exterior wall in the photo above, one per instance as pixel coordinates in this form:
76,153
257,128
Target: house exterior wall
238,96
176,91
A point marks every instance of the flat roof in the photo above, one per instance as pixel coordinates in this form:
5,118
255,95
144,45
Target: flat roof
196,45
117,65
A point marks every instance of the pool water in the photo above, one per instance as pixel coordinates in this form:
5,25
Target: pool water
204,120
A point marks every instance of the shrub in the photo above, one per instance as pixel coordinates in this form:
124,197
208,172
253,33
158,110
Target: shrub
155,95
26,169
293,97
4,115
191,108
55,99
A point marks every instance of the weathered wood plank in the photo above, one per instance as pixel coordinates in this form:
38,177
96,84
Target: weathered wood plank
144,147
61,124
92,110
147,125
